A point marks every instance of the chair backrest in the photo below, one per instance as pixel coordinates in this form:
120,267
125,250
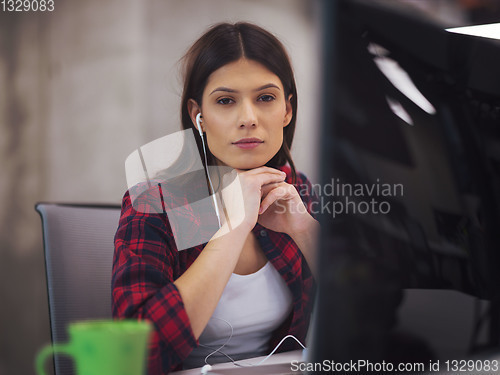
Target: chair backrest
78,246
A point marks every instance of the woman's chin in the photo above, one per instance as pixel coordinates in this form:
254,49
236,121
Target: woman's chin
244,164
248,165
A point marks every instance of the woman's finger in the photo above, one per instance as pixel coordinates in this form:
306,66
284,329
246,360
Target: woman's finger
268,187
262,178
278,193
262,169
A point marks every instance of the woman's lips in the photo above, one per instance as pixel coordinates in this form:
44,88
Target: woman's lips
248,143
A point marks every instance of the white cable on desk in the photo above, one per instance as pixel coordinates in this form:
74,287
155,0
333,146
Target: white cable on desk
208,367
270,354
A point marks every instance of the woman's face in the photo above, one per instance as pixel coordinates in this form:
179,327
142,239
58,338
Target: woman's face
244,111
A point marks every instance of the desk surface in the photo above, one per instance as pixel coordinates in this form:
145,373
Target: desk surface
277,364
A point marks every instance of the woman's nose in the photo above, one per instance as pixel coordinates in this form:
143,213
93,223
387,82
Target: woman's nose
247,115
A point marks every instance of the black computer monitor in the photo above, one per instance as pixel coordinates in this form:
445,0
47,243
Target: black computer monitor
409,193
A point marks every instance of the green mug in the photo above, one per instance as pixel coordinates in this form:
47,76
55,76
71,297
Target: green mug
110,347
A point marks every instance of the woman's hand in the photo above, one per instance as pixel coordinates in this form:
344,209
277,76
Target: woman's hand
242,194
282,210
261,195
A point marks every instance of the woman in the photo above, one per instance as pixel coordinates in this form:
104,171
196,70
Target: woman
256,279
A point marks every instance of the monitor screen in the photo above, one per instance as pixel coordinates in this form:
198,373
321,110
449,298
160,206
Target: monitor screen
409,193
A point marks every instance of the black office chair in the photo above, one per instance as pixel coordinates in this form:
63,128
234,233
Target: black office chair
78,246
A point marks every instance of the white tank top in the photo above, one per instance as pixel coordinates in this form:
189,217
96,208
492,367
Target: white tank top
255,305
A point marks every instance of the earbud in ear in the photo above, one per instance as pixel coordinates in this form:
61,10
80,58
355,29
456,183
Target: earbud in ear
198,124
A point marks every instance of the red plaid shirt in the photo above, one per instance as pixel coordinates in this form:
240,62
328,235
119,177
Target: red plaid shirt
146,262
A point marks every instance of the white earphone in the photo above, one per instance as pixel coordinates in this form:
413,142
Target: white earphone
207,368
198,123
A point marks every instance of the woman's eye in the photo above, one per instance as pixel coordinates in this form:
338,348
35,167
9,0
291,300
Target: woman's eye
266,98
225,101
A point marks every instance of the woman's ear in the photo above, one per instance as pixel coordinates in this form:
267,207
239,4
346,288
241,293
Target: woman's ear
193,110
289,111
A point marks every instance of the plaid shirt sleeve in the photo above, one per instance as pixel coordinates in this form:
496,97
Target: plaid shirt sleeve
145,264
310,199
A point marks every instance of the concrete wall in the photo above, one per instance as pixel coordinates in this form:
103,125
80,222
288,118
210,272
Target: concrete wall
81,88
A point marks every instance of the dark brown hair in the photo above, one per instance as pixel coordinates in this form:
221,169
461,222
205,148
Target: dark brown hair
225,43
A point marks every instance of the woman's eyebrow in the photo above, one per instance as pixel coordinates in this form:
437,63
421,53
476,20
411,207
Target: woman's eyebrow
227,89
223,89
268,86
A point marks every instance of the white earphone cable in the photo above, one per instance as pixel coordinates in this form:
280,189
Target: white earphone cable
218,350
208,173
